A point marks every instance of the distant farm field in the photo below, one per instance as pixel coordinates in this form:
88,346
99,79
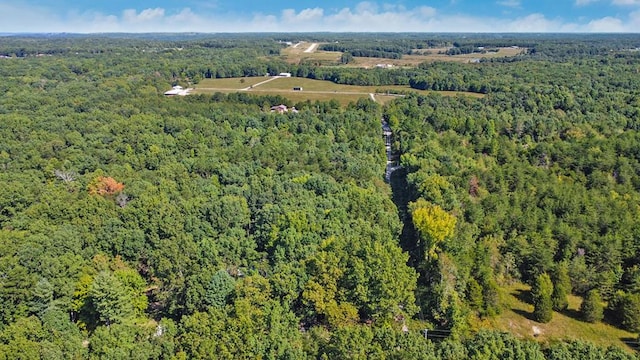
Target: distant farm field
297,54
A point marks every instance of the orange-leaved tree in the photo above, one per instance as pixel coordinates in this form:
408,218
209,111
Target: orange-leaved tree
103,185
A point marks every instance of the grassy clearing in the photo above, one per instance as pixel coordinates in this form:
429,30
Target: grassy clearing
343,99
310,85
431,55
516,319
434,56
230,83
312,89
383,99
296,55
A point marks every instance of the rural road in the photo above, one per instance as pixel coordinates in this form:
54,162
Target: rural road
311,48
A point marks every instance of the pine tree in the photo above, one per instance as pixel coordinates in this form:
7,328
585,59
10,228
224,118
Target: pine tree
111,300
474,294
591,309
541,295
42,297
561,287
625,308
219,289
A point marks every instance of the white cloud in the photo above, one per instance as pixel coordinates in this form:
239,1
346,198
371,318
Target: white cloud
366,7
626,2
634,20
367,16
510,3
393,7
306,15
130,15
606,25
585,2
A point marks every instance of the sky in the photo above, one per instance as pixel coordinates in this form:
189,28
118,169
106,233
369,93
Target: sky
54,16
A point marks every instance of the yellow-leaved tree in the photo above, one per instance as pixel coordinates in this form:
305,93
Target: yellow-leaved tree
434,225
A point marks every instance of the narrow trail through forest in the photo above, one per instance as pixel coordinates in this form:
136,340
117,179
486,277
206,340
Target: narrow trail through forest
395,176
387,134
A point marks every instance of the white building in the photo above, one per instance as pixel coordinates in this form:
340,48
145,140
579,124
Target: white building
177,90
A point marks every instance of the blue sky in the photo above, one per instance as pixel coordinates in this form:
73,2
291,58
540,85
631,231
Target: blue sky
330,15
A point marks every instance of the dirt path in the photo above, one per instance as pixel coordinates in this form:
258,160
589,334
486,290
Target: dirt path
260,83
311,48
373,97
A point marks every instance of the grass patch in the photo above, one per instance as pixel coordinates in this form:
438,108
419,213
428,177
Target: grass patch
311,89
343,99
309,85
230,83
516,319
297,55
383,99
312,85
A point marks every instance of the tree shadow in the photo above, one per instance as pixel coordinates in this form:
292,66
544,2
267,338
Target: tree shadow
523,295
401,196
632,343
572,313
525,314
611,318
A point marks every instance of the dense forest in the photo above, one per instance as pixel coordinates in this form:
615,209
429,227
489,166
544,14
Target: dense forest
139,226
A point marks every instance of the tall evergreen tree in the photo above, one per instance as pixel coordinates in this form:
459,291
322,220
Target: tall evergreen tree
220,287
625,309
561,287
541,295
111,300
591,309
42,297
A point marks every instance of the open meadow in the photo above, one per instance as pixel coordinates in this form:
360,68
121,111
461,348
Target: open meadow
311,89
298,54
566,325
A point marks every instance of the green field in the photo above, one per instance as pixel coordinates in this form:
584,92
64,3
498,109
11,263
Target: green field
230,83
297,55
567,325
311,89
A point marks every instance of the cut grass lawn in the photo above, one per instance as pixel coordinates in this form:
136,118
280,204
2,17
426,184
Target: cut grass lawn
295,97
516,319
230,83
312,85
311,89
